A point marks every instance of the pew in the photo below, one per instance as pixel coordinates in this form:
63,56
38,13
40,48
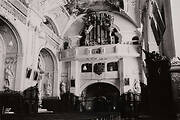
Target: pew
25,102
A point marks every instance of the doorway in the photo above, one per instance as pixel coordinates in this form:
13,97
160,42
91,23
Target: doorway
100,97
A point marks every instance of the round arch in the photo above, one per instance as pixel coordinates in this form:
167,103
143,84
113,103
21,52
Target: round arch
2,60
122,13
102,84
49,22
48,69
16,34
94,82
54,57
12,56
100,97
115,26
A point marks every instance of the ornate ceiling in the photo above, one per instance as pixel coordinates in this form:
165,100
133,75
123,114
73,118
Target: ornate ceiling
68,14
83,6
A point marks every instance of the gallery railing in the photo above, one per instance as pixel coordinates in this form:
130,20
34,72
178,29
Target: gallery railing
108,50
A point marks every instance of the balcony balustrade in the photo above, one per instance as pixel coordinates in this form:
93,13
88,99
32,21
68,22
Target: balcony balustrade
111,50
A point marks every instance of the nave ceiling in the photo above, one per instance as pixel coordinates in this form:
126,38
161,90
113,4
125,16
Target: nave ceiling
68,15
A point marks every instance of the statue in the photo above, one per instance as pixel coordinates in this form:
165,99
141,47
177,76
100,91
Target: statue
48,89
40,65
47,84
136,86
62,87
9,76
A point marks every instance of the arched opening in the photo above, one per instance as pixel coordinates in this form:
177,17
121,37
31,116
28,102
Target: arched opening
10,50
100,97
46,70
51,25
2,54
135,40
116,37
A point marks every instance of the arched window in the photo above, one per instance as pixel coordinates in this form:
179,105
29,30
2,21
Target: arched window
51,25
87,67
115,36
112,66
135,40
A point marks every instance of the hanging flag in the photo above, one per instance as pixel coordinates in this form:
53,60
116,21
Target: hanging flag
156,31
158,18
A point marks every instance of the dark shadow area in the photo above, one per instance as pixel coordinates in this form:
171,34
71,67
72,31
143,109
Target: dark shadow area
161,104
100,97
25,102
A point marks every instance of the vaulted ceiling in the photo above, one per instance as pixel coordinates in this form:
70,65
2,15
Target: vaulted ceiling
67,15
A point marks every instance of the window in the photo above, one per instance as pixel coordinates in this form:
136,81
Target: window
51,25
87,67
112,66
115,36
135,40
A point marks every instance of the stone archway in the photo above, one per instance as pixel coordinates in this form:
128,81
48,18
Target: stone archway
2,55
100,97
11,49
46,68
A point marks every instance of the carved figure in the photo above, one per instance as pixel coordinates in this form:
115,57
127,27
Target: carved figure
9,76
63,88
40,66
47,89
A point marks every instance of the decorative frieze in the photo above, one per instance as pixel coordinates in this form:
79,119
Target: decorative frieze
13,11
107,51
21,7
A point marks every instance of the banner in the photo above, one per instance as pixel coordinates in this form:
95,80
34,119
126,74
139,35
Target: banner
156,32
158,18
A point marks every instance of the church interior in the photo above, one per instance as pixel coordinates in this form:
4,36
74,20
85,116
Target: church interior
88,56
